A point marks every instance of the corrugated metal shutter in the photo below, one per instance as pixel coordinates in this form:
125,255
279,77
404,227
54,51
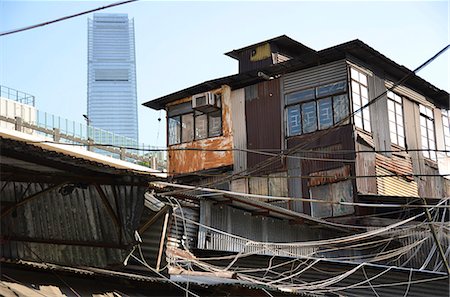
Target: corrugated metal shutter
315,76
395,186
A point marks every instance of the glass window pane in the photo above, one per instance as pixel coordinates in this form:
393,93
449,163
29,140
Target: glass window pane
367,126
331,89
174,130
201,126
215,123
363,79
358,120
300,96
401,141
309,117
355,87
187,127
341,108
354,74
391,106
364,92
293,120
325,113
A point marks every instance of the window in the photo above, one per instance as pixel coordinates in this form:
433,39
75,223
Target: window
316,108
446,126
395,115
427,132
360,98
186,124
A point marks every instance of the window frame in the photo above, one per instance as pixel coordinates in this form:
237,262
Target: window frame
195,114
364,114
292,104
445,114
396,100
427,151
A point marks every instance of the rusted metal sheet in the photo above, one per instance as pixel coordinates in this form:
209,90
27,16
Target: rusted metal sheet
75,216
202,158
263,116
395,164
314,76
329,176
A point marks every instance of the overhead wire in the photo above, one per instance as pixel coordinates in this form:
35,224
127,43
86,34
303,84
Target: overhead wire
65,18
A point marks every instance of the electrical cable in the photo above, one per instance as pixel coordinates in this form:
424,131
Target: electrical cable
65,18
280,198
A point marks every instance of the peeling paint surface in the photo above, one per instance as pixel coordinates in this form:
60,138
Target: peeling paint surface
185,161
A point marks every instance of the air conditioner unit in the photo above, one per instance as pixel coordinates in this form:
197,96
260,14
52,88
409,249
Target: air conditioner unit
204,102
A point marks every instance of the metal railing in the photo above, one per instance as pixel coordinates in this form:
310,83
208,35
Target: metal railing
25,118
19,96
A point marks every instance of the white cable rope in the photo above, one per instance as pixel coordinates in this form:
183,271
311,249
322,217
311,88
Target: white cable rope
281,198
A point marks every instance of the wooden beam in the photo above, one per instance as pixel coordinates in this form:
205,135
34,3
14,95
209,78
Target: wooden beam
98,244
30,198
109,209
153,219
161,243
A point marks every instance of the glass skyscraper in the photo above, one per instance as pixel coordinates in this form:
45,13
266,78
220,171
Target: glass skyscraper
112,100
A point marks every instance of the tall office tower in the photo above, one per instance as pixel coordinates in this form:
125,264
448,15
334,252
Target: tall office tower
112,102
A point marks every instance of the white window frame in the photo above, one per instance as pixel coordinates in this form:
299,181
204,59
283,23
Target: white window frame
396,119
360,97
446,128
427,132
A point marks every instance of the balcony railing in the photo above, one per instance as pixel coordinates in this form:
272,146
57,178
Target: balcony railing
25,118
16,95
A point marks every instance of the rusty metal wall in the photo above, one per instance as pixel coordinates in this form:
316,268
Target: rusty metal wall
263,116
77,217
315,76
185,161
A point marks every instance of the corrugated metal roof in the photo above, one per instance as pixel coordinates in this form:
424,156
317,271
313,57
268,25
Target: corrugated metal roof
356,48
23,146
71,227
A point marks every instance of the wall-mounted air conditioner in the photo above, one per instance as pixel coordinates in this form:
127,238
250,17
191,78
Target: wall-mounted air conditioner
205,102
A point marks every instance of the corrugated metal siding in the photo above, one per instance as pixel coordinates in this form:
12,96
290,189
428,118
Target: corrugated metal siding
238,128
424,256
314,76
246,225
394,186
184,234
263,117
79,216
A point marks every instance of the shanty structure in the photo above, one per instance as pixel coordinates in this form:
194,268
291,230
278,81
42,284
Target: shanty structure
338,157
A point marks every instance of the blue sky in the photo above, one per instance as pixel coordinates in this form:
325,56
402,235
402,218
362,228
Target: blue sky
179,44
